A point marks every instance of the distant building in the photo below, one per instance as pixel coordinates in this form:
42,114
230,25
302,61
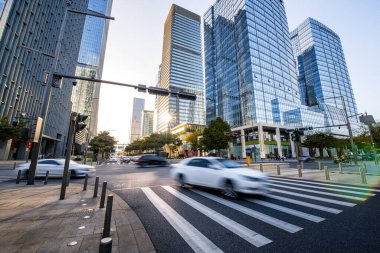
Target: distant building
181,70
147,123
136,123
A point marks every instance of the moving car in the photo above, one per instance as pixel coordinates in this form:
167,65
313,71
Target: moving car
219,173
306,158
145,160
125,159
55,168
112,160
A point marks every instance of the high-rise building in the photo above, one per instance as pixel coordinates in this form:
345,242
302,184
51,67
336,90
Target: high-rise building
321,66
36,25
250,72
181,70
85,96
147,123
136,123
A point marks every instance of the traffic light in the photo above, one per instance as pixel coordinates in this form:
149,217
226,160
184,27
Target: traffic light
80,125
296,136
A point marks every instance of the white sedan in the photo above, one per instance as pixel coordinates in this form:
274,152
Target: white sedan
218,173
55,168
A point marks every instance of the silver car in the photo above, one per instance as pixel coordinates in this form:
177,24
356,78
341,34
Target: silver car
55,168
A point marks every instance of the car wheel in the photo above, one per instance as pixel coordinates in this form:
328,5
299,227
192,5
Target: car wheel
181,180
228,190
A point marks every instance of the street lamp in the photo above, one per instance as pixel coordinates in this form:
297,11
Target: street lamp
52,82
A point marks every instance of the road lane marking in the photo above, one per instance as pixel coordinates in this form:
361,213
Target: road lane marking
195,239
255,214
290,211
306,204
318,192
332,185
240,230
323,188
333,201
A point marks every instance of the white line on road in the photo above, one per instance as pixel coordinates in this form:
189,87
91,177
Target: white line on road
240,230
290,211
195,239
333,201
257,215
332,185
306,204
319,192
323,188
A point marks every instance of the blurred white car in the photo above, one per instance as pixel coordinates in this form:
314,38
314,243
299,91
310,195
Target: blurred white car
55,168
218,173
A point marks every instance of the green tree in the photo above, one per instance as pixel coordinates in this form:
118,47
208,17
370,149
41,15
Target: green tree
213,135
8,131
103,143
192,138
320,141
154,142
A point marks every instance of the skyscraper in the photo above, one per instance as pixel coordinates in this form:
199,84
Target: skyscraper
36,25
85,96
321,66
181,70
147,123
250,73
136,123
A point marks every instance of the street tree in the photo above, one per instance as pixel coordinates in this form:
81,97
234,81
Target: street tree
319,141
213,135
155,141
194,141
8,131
103,143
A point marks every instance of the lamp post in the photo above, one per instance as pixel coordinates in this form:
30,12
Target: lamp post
52,82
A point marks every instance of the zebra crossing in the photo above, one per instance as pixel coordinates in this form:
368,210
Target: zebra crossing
293,205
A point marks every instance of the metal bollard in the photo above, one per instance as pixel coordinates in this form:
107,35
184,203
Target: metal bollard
85,183
103,197
299,170
107,218
327,172
365,168
68,178
362,175
261,167
18,177
96,187
319,165
302,165
46,177
340,168
105,245
14,166
278,170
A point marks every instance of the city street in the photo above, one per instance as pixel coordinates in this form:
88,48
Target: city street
299,215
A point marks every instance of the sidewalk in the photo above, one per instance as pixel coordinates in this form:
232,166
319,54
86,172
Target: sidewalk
33,219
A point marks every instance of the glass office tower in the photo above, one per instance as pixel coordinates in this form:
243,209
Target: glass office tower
136,123
249,66
147,123
321,66
181,70
85,96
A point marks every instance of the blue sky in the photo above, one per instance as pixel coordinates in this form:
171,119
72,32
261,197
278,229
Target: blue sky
135,44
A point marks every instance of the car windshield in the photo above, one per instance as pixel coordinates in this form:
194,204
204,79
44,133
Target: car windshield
228,163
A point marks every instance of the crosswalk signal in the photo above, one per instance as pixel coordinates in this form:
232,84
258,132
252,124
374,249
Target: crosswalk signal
80,125
296,136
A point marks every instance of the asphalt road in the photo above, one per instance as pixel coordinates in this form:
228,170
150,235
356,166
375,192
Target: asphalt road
299,216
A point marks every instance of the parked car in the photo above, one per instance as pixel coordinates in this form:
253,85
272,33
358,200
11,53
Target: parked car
112,160
150,160
55,168
219,173
306,158
125,159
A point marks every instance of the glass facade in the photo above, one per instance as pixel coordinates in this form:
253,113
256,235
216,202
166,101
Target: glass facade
321,66
85,96
182,70
249,66
147,123
136,124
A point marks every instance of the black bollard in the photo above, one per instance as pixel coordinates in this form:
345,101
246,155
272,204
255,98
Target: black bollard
103,197
18,177
14,166
105,245
68,178
278,170
46,177
107,218
85,183
96,187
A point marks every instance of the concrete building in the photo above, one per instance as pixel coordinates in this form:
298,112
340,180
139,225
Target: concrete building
136,123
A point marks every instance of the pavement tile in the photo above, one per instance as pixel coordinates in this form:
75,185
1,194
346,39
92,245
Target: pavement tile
120,217
90,244
143,241
134,219
126,236
7,238
65,248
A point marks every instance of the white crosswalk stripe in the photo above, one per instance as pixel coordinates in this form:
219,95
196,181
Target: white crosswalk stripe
323,188
326,184
195,239
319,192
260,216
290,211
326,200
306,204
247,234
